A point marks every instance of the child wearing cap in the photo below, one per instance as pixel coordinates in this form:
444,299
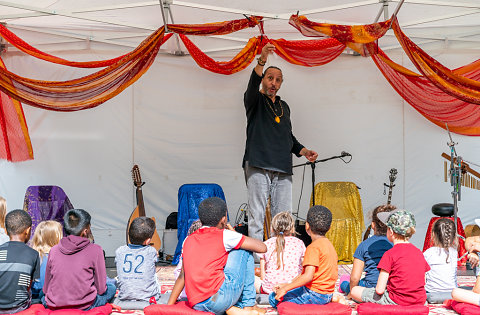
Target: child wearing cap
402,269
473,296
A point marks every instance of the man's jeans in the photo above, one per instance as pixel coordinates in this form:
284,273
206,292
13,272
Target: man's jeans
238,288
262,183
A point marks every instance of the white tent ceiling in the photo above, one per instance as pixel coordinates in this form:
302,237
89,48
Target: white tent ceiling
183,124
125,23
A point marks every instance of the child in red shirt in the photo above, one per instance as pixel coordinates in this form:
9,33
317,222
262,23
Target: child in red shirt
402,268
218,267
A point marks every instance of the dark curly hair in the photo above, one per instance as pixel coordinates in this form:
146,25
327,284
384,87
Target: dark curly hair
141,229
319,218
211,211
75,221
17,221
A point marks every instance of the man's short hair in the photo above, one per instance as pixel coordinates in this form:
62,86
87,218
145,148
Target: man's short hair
141,229
319,218
75,221
17,221
271,67
211,211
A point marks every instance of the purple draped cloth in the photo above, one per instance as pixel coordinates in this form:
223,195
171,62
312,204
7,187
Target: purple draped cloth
46,203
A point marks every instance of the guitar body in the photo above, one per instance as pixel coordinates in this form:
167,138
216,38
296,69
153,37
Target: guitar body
139,211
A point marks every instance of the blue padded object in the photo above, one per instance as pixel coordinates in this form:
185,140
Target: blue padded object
189,197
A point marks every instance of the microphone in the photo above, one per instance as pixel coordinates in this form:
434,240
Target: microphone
345,153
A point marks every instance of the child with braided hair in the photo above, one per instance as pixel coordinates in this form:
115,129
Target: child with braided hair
284,257
442,259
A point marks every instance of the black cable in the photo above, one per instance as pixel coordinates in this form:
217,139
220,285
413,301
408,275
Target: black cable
300,198
240,213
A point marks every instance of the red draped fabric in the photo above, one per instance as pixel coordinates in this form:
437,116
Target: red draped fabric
430,101
309,53
239,62
361,38
32,51
448,81
15,145
219,28
88,91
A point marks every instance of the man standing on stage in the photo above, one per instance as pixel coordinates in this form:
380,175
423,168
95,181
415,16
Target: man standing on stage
267,162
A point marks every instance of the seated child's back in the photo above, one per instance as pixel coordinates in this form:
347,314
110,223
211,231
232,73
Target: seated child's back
19,264
135,262
284,257
75,272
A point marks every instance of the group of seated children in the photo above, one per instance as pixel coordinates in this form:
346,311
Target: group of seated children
59,272
217,267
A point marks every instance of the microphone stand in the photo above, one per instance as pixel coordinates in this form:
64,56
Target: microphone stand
455,176
312,164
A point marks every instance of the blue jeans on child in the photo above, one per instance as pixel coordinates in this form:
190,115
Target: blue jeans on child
100,300
345,285
105,297
238,288
301,295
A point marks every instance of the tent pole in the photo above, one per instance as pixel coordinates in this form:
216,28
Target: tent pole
398,8
379,14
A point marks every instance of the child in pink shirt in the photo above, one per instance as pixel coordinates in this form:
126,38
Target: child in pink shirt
284,257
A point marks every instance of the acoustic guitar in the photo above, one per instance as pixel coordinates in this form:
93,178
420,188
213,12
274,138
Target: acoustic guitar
392,178
139,211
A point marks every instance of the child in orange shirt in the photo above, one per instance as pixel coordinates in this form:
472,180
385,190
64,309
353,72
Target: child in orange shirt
316,284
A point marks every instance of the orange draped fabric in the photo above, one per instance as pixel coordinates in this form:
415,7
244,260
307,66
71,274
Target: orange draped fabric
32,51
361,38
85,92
239,62
219,28
430,101
309,53
88,91
449,81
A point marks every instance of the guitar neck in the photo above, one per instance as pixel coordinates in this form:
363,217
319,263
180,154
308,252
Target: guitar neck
389,200
141,205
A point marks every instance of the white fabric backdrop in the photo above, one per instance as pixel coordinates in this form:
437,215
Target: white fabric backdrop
183,124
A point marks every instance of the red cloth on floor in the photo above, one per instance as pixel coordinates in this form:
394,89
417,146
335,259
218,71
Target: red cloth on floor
465,308
289,308
38,309
461,243
375,309
181,308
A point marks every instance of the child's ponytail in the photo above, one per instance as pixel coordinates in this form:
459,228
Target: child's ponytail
444,235
282,226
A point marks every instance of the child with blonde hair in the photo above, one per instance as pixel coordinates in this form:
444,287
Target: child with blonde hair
284,257
47,234
3,212
442,258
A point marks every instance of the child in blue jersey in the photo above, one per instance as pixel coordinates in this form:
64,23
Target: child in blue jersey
137,279
368,255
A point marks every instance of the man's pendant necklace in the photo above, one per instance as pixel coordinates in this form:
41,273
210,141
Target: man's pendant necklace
277,117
